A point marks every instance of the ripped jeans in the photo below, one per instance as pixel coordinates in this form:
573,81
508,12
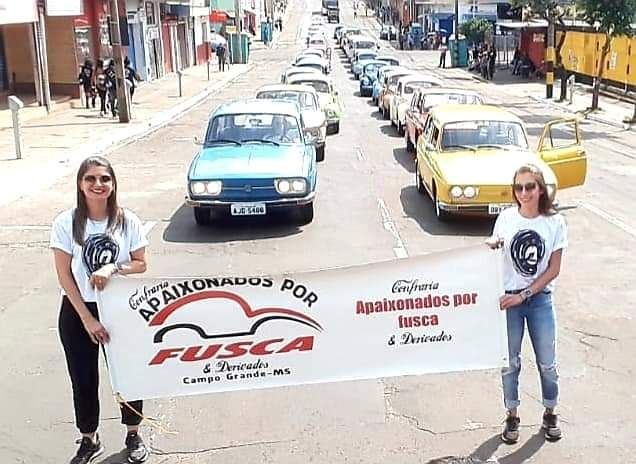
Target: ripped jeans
538,312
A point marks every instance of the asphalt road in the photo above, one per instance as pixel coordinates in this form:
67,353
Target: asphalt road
367,210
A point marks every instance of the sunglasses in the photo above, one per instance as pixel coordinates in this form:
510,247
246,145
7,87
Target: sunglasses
528,187
103,179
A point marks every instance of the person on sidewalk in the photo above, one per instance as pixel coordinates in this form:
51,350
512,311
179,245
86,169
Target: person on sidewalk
100,86
131,76
111,87
86,79
442,55
220,54
492,57
92,242
533,236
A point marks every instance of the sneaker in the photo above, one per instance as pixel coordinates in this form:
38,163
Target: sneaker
550,427
510,434
88,451
137,451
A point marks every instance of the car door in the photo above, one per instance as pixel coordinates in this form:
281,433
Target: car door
424,147
410,117
560,147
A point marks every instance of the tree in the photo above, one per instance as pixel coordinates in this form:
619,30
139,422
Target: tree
475,29
612,18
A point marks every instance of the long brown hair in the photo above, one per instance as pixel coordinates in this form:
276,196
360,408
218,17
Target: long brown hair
80,215
546,206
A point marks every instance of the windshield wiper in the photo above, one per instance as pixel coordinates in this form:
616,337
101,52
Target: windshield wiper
460,147
261,141
212,142
494,145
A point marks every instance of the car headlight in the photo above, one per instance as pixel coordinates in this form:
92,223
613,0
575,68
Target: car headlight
469,192
331,113
365,80
456,191
292,186
212,187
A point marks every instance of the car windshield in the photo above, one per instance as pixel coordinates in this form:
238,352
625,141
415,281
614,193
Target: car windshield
393,79
315,66
365,56
390,61
319,86
445,98
411,86
304,99
483,134
372,68
253,127
365,45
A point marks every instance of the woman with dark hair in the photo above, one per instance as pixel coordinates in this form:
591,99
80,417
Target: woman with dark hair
533,236
91,242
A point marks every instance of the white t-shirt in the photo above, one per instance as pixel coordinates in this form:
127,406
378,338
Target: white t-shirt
100,246
528,245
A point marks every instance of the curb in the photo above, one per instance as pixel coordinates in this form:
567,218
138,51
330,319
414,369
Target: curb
58,167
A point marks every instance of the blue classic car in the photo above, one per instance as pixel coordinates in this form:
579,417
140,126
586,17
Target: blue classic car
254,159
369,75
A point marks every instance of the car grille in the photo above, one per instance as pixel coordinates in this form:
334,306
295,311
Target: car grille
248,190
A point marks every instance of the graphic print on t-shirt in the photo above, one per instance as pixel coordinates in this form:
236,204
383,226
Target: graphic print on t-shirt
527,249
99,250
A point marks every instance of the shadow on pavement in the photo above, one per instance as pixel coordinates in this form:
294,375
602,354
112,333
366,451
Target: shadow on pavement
389,130
115,458
419,207
406,159
225,228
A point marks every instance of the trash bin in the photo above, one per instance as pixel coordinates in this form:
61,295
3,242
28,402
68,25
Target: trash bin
463,52
235,41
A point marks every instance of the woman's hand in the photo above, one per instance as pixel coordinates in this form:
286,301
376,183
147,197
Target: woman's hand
494,242
96,331
508,301
99,278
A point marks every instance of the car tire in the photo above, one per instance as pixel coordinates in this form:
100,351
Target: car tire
307,213
202,216
355,76
410,148
320,153
419,183
441,215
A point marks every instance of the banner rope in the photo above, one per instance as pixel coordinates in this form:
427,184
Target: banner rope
150,421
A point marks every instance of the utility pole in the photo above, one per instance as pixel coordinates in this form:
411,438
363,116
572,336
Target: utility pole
549,57
456,26
237,15
44,63
122,91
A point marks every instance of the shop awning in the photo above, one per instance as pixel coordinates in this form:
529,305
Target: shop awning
522,24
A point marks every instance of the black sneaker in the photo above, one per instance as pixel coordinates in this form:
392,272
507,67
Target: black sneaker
510,434
88,451
137,451
550,427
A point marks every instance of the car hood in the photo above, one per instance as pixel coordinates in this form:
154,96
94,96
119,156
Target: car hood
313,118
250,160
487,167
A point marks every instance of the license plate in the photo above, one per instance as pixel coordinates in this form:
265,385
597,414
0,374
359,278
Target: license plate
494,208
247,209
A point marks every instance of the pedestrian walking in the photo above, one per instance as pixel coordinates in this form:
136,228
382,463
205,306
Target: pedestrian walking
533,236
131,76
492,57
111,87
100,86
442,55
86,79
220,54
92,242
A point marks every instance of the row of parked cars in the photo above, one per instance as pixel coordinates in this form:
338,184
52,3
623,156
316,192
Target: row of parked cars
465,150
259,155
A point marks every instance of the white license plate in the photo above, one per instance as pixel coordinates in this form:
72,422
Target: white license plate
494,208
247,209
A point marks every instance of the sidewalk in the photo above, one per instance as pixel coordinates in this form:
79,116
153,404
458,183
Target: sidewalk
56,143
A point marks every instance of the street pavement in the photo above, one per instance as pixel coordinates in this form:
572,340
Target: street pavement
367,210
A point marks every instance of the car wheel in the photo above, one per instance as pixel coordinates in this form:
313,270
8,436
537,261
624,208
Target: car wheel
320,153
307,213
439,212
409,146
336,129
202,216
419,183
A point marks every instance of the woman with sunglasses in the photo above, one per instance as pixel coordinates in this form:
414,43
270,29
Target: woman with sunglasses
91,242
533,236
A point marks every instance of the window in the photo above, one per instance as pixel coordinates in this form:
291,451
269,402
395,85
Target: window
151,20
253,127
435,135
479,133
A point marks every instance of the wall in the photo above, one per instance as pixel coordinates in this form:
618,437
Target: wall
19,64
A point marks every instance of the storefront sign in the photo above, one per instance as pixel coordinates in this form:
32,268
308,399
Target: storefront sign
434,313
15,12
64,7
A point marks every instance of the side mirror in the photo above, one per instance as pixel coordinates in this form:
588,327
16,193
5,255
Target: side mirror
198,141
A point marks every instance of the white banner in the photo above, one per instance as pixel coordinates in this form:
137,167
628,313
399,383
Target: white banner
434,313
64,7
15,12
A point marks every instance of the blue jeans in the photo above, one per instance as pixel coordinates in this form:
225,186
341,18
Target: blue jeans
538,312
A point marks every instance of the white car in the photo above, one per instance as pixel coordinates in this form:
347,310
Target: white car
293,70
313,117
388,88
404,91
314,62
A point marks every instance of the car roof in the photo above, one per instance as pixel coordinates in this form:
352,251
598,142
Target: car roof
387,57
419,77
301,70
253,105
399,70
311,59
288,87
311,77
447,90
460,113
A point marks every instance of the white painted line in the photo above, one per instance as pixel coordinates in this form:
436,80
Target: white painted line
399,249
609,218
147,227
360,154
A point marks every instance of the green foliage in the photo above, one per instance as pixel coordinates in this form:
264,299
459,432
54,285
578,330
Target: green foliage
612,17
475,29
540,8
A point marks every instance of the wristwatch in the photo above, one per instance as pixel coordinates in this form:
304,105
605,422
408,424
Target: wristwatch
526,293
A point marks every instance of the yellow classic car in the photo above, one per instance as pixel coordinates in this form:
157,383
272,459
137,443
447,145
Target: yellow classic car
467,156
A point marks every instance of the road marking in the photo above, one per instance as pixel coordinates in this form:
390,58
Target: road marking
360,154
147,227
399,249
609,218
